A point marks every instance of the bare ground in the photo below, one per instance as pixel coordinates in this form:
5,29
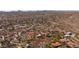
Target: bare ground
39,29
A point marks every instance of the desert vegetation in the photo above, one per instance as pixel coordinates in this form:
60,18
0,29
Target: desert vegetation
39,29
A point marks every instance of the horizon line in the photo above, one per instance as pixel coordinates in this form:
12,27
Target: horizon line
34,10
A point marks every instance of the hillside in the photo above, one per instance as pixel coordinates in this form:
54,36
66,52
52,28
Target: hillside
35,29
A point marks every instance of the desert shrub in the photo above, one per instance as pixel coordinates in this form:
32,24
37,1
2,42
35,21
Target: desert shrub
48,45
55,39
49,35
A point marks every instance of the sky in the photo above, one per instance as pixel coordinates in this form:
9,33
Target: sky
11,5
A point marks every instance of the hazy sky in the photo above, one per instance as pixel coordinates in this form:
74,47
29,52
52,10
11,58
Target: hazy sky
39,5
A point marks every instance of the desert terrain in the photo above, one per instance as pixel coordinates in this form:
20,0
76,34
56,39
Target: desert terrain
39,29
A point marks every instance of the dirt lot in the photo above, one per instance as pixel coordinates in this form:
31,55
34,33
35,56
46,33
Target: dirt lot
39,29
